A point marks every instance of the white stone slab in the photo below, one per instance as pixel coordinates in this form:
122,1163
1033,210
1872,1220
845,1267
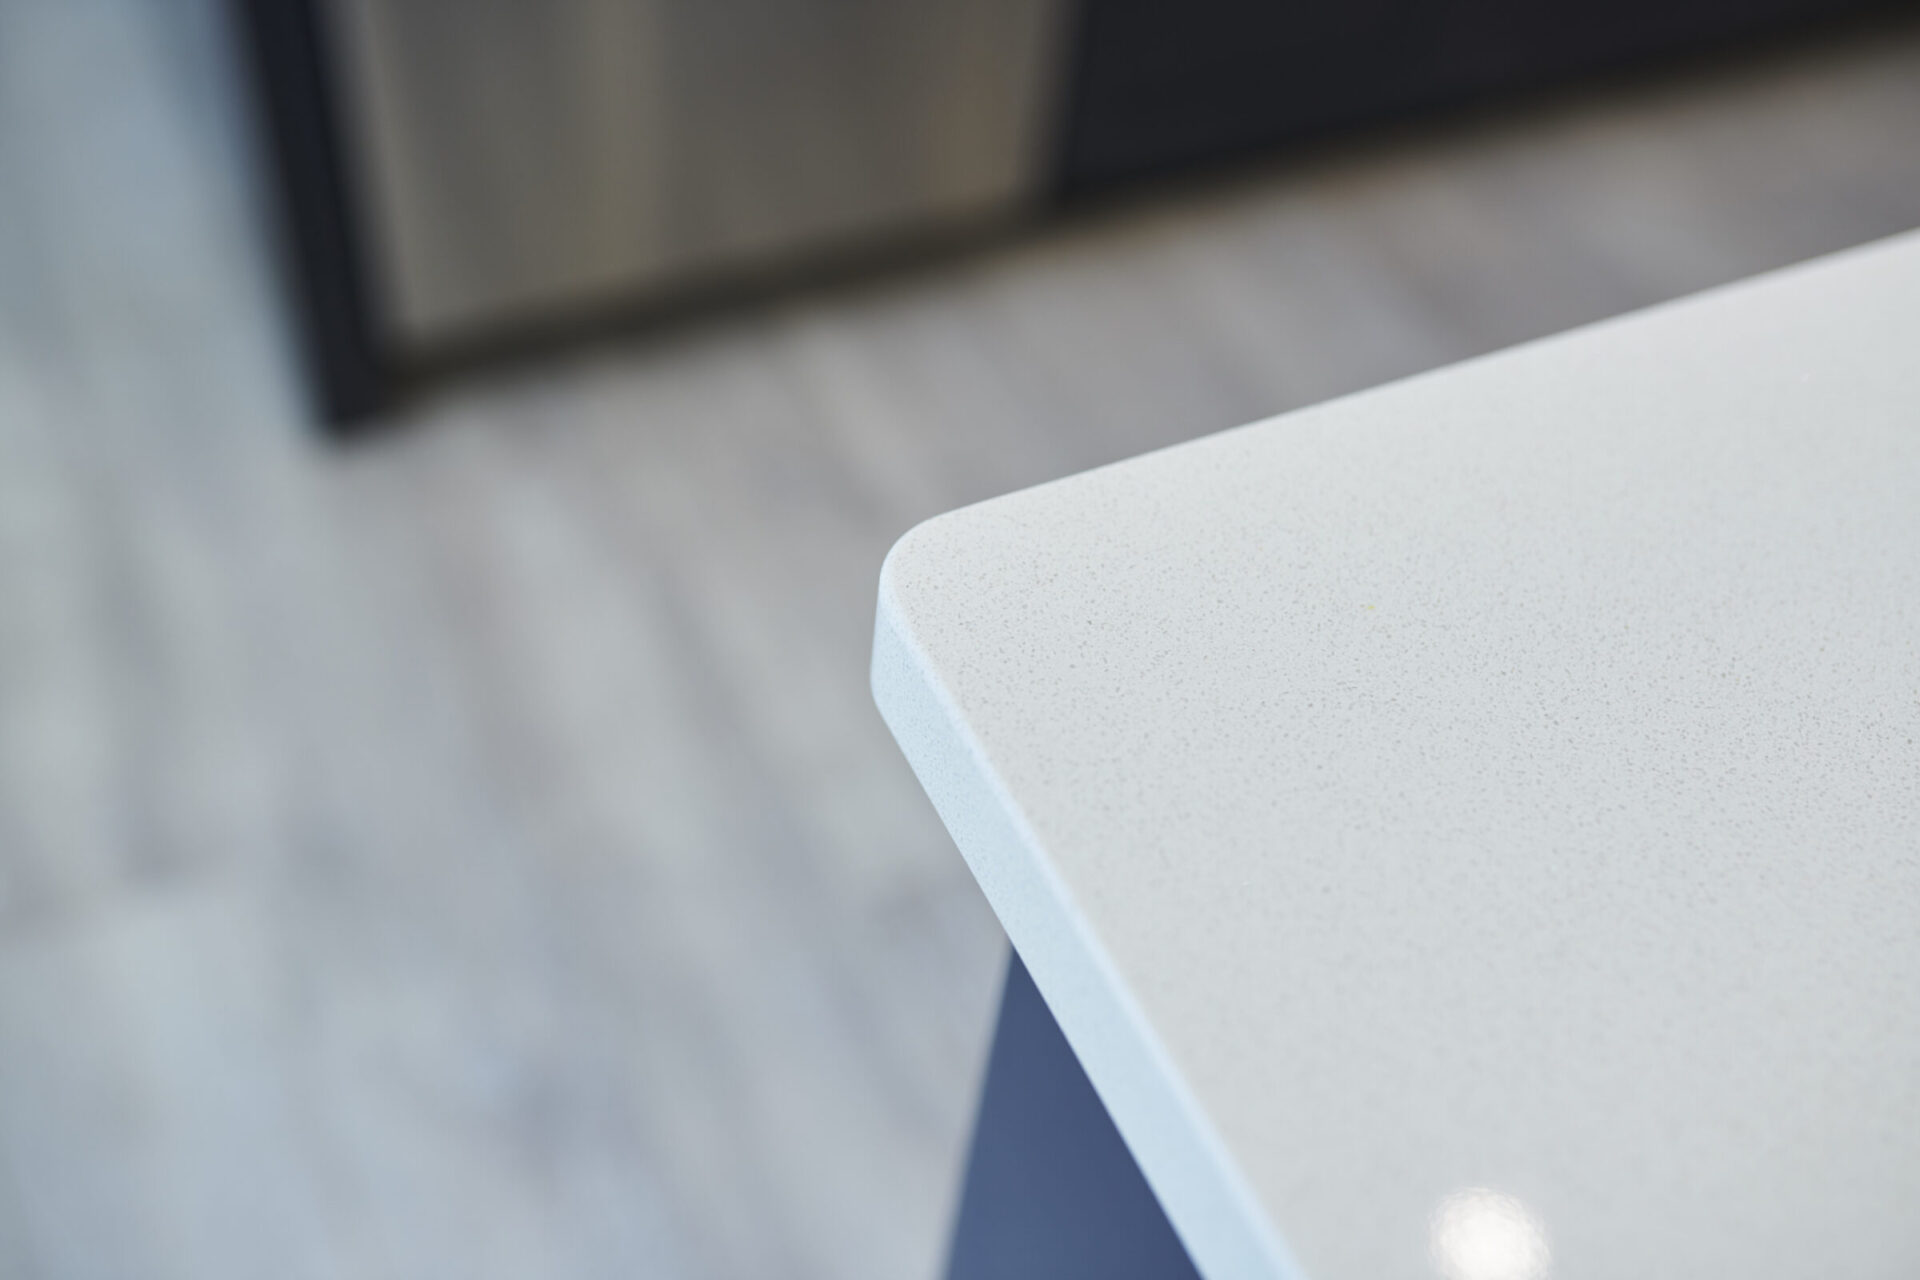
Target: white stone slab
1473,827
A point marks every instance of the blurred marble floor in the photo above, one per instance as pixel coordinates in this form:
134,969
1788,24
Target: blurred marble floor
472,853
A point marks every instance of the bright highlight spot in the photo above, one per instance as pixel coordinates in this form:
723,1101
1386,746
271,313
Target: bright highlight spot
1484,1235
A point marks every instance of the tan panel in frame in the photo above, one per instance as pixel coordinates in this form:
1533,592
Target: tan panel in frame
521,161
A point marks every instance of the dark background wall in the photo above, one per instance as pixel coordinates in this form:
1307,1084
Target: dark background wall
1158,87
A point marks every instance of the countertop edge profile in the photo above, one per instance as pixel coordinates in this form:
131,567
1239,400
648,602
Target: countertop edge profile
1205,1195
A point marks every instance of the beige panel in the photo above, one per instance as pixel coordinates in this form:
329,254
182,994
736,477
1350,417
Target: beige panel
526,158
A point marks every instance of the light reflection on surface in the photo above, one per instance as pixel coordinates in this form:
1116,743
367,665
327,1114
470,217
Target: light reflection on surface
1478,1234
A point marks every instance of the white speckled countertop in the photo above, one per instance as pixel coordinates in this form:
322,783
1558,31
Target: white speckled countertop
1472,828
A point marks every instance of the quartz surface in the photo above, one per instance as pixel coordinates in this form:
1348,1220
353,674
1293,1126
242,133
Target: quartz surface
1472,828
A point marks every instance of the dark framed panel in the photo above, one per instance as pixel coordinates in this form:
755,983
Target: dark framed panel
467,182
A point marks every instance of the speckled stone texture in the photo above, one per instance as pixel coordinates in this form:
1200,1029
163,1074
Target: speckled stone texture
1501,784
